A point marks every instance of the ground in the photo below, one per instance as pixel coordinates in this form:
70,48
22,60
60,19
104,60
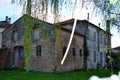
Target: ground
74,75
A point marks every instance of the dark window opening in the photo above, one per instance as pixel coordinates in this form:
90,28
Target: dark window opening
94,56
80,52
38,50
64,50
94,36
74,52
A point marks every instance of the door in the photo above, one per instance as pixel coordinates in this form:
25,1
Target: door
16,56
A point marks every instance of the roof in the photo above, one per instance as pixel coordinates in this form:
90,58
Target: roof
61,23
116,50
86,21
70,31
118,47
4,24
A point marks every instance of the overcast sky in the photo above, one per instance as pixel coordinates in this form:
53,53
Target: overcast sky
14,12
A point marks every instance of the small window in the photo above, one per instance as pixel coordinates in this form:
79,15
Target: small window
88,34
94,36
36,34
64,50
38,50
100,38
104,39
74,52
15,35
80,52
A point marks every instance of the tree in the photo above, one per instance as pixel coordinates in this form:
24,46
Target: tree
110,9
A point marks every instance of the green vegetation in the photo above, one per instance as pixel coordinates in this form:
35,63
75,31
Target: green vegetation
77,75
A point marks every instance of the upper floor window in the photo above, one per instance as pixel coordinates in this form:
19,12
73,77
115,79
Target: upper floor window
36,34
94,36
100,38
15,35
88,34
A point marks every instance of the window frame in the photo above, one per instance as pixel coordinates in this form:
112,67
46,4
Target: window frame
36,32
80,52
74,51
38,50
15,35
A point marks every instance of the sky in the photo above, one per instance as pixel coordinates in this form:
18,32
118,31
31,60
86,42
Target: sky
14,11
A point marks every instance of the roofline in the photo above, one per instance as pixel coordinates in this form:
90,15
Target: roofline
71,31
61,23
116,47
22,17
72,21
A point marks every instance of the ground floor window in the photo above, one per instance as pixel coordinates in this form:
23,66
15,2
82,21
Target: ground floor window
38,50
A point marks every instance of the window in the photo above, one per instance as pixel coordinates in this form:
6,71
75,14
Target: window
15,35
105,39
88,34
94,36
101,57
36,33
80,52
64,50
38,50
94,56
74,52
100,38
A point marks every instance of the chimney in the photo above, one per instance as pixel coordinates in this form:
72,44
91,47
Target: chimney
6,19
88,16
98,24
9,20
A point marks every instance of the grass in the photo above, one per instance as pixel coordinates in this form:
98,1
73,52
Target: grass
77,75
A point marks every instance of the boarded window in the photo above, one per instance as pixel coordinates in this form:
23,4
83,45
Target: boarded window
80,52
36,34
74,52
38,50
64,50
15,36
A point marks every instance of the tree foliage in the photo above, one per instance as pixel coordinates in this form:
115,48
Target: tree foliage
109,8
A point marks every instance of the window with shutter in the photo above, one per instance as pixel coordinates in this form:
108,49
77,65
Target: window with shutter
38,50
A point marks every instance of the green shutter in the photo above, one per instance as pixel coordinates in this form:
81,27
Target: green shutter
38,50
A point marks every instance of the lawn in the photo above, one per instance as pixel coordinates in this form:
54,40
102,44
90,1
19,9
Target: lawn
76,75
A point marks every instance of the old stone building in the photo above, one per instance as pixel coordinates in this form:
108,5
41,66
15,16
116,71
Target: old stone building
49,44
